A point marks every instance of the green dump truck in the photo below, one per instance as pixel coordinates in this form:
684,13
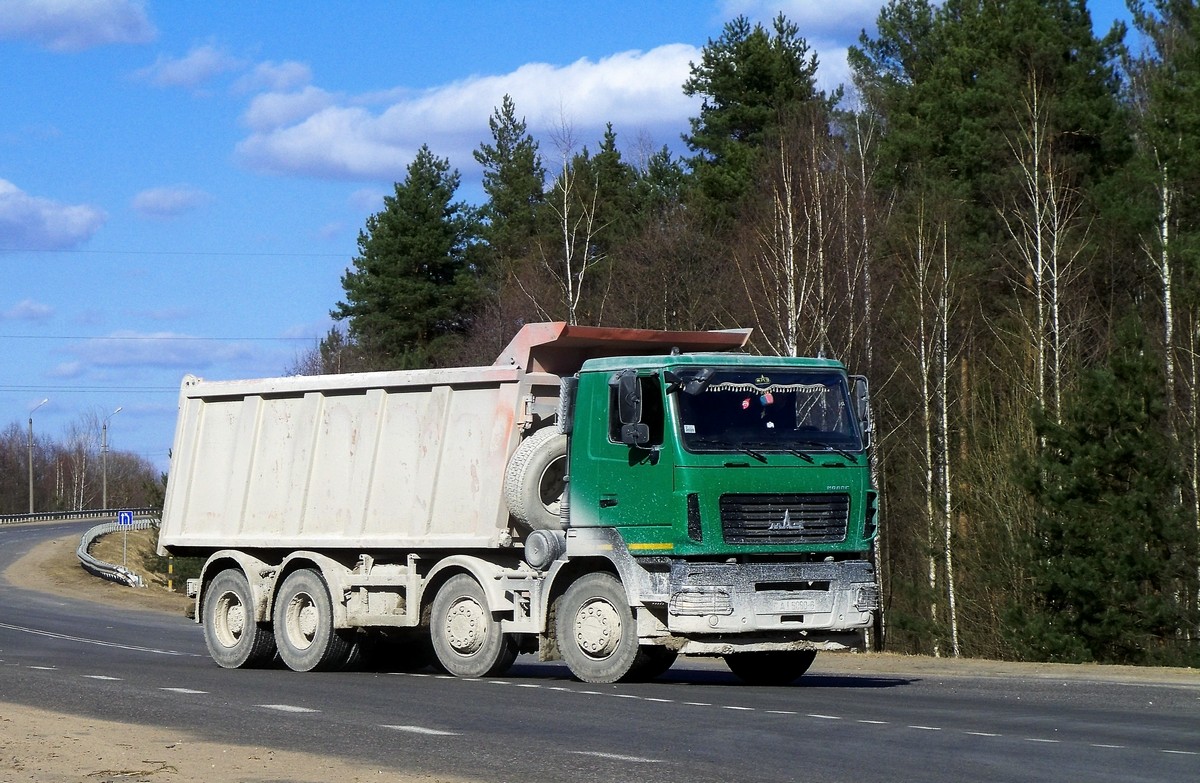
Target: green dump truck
610,497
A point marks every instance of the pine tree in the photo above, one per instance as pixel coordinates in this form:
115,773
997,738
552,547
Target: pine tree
749,79
1111,545
514,180
412,289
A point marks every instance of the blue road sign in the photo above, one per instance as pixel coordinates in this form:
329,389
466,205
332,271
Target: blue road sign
124,517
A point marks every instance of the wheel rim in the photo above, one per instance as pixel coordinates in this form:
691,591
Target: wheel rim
302,621
230,619
466,626
598,628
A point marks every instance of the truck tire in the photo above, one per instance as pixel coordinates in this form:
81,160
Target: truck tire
779,667
304,631
535,480
652,662
466,638
597,636
233,638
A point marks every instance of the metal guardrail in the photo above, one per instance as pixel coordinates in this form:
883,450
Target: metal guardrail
67,516
111,571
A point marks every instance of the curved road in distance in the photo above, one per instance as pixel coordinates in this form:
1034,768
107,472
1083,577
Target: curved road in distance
695,724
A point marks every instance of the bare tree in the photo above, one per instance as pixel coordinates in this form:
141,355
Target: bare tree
569,253
1046,230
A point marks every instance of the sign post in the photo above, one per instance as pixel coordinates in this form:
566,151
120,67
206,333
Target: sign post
125,520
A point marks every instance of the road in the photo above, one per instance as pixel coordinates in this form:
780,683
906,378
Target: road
536,724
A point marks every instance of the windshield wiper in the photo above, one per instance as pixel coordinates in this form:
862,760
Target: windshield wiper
830,447
773,446
758,455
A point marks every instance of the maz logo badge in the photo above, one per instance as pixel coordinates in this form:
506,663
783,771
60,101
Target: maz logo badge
787,523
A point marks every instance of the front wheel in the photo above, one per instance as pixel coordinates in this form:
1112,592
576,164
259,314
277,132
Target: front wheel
304,628
775,667
596,632
466,638
233,638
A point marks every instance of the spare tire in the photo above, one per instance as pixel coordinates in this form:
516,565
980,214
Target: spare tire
535,481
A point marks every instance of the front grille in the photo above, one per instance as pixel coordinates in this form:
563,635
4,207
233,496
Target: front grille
785,519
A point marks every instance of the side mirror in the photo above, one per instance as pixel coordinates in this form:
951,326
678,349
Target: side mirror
629,408
862,406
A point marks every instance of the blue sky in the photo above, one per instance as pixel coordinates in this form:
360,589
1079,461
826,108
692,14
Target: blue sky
182,184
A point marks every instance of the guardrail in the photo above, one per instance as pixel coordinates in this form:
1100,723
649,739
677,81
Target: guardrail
67,516
110,571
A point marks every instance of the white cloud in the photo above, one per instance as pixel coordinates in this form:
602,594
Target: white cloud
839,21
197,67
275,76
27,310
276,109
169,201
32,223
74,25
313,133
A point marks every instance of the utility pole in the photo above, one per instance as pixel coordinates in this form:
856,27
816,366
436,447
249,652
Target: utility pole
35,407
104,459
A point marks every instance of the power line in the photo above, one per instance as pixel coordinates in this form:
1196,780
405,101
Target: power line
191,253
154,338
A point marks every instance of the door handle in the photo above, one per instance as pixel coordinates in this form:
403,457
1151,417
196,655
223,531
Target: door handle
607,502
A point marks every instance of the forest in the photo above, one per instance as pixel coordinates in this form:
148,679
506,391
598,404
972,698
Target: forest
997,221
80,472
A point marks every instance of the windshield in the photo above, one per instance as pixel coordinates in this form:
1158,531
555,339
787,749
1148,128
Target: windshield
774,409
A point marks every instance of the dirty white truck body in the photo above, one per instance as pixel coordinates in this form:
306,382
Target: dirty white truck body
373,514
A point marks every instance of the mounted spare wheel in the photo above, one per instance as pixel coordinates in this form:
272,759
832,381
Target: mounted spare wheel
536,480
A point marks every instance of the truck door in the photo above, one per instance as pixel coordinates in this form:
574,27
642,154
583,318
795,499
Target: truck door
631,483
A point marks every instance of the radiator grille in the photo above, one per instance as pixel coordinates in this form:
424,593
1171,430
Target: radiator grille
785,519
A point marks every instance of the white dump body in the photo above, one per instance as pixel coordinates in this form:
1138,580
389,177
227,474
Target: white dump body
361,461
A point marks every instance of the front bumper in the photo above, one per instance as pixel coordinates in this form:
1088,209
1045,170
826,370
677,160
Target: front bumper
742,598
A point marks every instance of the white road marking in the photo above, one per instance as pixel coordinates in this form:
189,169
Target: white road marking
97,642
697,704
981,734
424,730
1182,752
1044,741
874,722
925,728
819,716
616,757
1102,745
184,691
286,708
731,707
45,668
101,677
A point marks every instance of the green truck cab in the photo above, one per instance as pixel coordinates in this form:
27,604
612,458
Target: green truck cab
733,495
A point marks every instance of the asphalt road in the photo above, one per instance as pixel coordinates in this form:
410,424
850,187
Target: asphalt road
695,724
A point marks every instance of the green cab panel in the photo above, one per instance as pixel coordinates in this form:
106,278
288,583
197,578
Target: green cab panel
745,455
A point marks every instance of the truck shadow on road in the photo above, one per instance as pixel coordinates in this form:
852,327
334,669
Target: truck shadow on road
716,676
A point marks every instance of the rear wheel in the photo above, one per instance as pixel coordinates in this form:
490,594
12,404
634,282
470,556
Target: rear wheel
652,661
233,638
776,667
304,629
466,638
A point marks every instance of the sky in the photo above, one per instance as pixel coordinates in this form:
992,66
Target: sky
182,184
